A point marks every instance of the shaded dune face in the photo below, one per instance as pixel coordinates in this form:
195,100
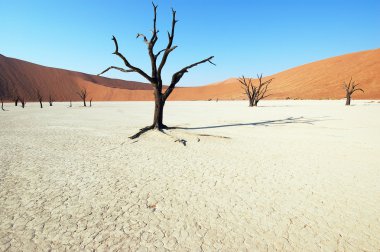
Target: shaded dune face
318,80
23,78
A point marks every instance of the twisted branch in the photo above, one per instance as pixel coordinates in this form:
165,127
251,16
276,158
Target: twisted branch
126,62
178,75
117,68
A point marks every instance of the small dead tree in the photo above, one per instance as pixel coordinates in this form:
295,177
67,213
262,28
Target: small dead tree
16,99
350,88
2,104
83,95
91,102
155,78
51,100
39,97
70,104
255,93
23,102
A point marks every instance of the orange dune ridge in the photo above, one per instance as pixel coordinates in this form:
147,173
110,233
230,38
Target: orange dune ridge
318,80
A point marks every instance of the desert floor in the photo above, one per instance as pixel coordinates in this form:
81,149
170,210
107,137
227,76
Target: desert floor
288,176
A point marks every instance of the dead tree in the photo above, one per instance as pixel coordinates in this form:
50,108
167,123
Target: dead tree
39,97
91,102
23,102
2,104
83,95
51,100
350,88
16,99
155,78
255,93
70,104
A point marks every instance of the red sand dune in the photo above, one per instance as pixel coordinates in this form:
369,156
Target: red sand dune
318,80
23,78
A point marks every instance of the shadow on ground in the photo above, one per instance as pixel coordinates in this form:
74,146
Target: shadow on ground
289,120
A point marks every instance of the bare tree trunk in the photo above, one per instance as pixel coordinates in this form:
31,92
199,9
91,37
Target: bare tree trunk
51,100
91,102
70,104
22,100
158,111
348,100
251,102
2,105
39,97
16,101
84,102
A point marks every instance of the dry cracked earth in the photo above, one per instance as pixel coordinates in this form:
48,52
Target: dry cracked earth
76,182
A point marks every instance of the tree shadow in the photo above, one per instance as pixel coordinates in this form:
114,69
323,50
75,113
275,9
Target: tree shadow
289,120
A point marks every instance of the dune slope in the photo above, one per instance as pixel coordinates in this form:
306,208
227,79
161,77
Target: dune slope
318,80
23,78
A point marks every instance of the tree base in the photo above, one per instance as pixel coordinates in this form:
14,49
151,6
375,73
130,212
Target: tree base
146,129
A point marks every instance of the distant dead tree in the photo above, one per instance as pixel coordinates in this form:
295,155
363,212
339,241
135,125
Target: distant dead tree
155,78
255,93
83,95
39,97
23,102
70,104
91,102
350,88
51,100
16,99
2,104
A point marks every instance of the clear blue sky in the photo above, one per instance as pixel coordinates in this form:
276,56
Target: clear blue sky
246,36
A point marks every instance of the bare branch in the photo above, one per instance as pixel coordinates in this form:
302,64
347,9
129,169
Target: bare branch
358,89
169,45
126,62
154,32
262,92
144,37
246,87
158,54
39,96
266,96
347,86
83,95
178,75
151,45
117,68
